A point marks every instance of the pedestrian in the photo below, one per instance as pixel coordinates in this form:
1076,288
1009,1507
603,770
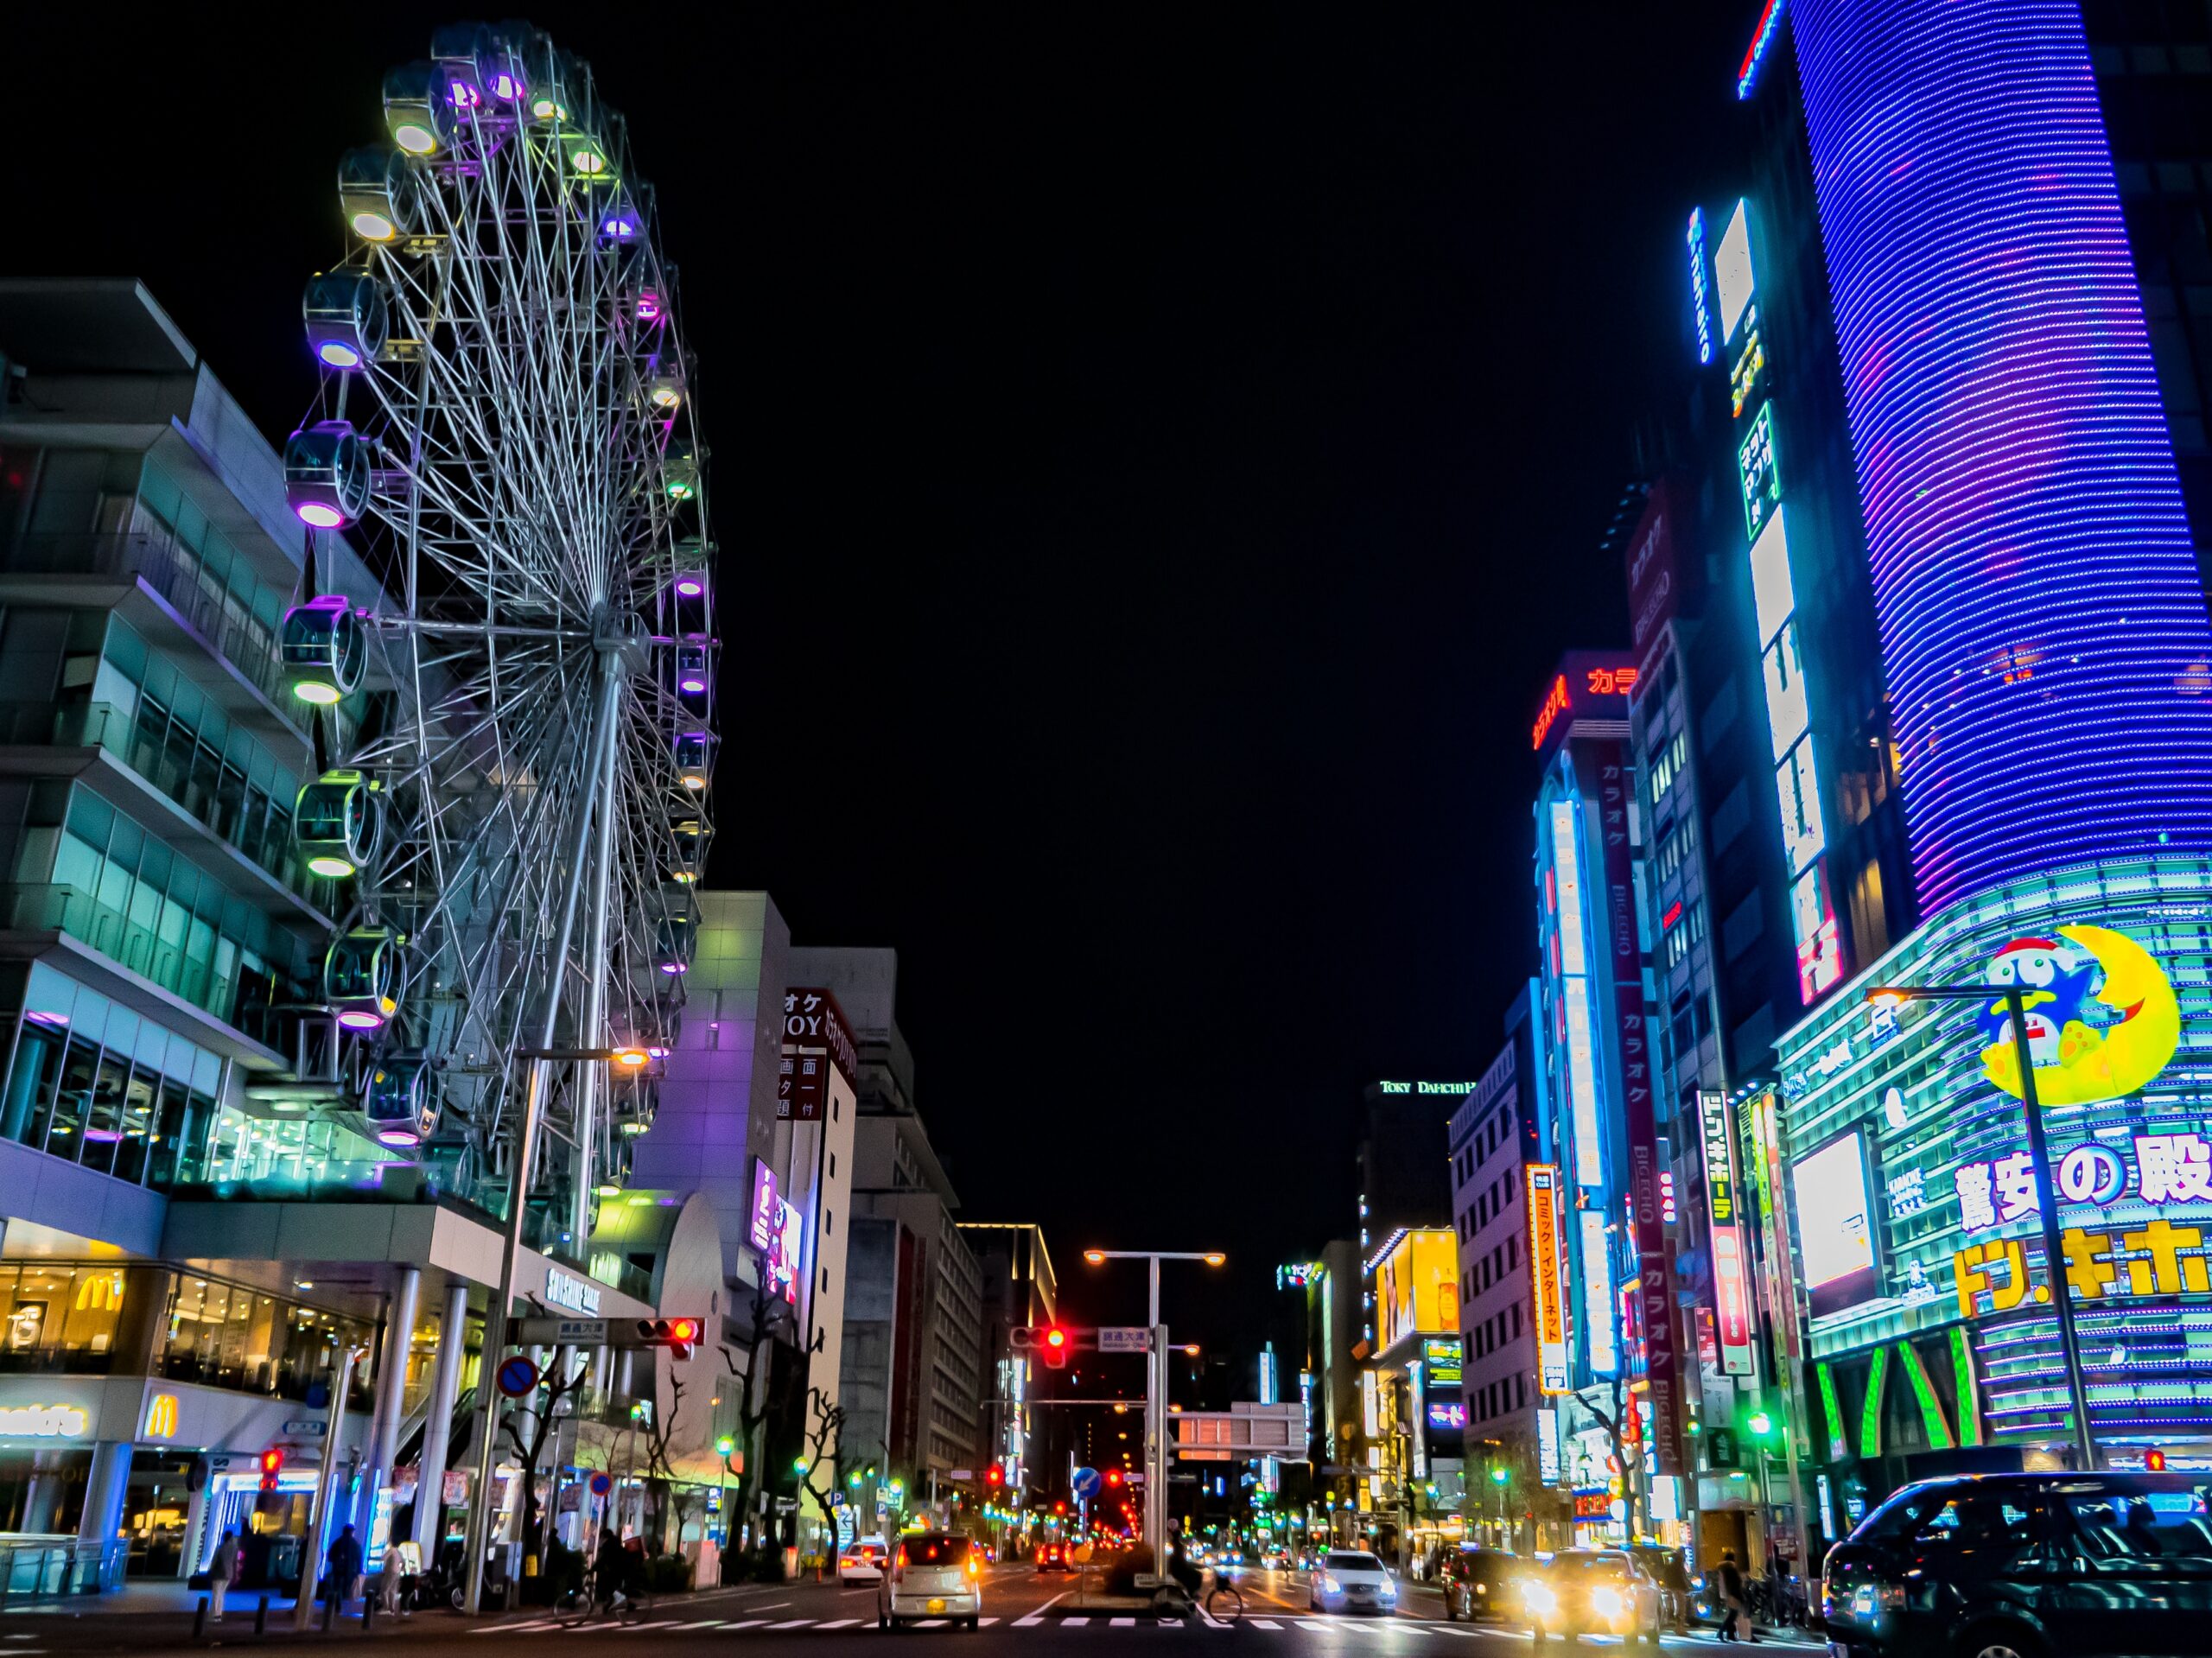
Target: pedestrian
403,1569
220,1571
343,1565
1735,1605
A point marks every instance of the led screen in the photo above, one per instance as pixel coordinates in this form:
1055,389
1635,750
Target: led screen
1835,1230
1417,1287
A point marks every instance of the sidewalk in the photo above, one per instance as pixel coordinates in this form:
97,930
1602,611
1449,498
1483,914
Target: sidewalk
161,1615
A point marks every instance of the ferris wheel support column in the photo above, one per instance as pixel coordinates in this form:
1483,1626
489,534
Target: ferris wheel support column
594,1021
595,805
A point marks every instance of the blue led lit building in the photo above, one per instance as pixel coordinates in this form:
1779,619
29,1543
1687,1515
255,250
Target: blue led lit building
1958,380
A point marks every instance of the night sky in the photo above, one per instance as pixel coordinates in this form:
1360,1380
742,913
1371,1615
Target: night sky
1156,454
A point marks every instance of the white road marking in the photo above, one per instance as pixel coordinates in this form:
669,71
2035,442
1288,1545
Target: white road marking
985,1622
840,1622
1263,1623
1123,1622
932,1623
748,1623
1073,1622
791,1623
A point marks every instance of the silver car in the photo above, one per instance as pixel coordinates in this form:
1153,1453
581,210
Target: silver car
1352,1580
933,1574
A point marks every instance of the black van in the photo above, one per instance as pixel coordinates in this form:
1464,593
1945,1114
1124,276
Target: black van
2027,1565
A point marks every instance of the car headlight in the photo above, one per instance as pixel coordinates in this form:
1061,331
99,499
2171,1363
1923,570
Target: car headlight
1389,1591
1538,1597
1481,1588
1330,1586
1607,1603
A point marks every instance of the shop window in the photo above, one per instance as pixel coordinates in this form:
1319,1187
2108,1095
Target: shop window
60,1315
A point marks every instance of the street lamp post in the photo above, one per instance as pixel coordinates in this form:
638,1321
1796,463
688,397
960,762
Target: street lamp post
2053,1257
1155,1413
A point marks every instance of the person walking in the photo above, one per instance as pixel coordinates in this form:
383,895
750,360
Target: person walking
343,1565
1735,1603
220,1571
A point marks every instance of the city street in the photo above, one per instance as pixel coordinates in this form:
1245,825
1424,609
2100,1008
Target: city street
1025,1609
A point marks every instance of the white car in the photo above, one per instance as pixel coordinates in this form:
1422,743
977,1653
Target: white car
934,1574
1352,1580
862,1562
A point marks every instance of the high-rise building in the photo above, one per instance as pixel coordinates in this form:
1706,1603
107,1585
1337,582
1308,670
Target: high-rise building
913,1367
1020,1291
1616,1383
1951,374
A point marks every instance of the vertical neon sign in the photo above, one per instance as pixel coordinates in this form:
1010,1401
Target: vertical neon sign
1697,286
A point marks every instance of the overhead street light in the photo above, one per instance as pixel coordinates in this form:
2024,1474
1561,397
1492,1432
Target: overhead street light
2014,996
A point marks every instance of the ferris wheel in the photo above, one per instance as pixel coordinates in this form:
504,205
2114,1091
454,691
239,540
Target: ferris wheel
513,726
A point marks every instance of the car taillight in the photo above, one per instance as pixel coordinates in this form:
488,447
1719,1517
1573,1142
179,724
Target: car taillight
975,1567
899,1565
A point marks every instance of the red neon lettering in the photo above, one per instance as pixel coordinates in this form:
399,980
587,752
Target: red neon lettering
1555,705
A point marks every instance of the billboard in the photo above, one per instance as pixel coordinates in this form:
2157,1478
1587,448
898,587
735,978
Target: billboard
1417,1288
1599,1344
816,1041
1546,1290
1835,1226
1442,1358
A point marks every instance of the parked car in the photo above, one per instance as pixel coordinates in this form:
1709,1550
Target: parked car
2040,1565
1352,1580
862,1562
1480,1582
934,1574
1051,1557
1666,1568
1592,1591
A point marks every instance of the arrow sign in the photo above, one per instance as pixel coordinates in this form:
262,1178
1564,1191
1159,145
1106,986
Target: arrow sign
1124,1338
1086,1483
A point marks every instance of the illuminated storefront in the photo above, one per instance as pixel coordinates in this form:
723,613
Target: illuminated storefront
1930,1339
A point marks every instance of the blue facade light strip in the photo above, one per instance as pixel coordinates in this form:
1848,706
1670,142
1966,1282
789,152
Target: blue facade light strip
2043,627
1763,38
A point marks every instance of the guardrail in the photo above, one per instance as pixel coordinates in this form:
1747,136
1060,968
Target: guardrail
53,1571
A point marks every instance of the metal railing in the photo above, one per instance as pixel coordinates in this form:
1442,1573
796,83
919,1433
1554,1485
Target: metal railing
155,557
261,829
142,949
48,1570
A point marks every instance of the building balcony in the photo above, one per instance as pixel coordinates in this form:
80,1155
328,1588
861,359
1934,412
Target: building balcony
40,738
158,587
132,961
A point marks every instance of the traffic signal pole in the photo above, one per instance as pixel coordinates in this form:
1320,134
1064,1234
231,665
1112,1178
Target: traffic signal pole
1155,1431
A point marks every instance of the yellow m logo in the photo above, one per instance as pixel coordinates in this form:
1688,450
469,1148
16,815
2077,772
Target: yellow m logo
161,1416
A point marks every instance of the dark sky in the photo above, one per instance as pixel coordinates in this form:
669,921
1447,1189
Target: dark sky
1157,452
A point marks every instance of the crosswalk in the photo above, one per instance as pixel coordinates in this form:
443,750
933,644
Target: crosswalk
1407,1632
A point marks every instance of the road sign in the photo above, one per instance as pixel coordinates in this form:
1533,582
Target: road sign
308,1429
517,1376
557,1332
962,1473
1241,1430
601,1485
1086,1483
1124,1338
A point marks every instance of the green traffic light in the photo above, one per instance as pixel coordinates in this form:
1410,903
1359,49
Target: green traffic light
798,1464
725,1444
1499,1474
1761,1424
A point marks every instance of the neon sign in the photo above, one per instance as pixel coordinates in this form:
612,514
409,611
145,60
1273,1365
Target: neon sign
1555,705
1547,1300
1755,54
43,1421
1697,285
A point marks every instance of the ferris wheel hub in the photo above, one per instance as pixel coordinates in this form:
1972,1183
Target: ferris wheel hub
623,634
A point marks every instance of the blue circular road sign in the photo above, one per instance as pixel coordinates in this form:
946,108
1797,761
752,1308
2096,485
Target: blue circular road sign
1086,1483
517,1377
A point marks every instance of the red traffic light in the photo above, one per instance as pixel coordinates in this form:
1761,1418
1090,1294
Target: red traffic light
2155,1461
272,1464
1059,1507
995,1476
1056,1348
679,1336
1113,1477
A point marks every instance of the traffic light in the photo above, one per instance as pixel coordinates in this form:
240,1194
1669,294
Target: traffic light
2154,1461
272,1464
679,1336
1056,1349
995,1476
1059,1507
1113,1477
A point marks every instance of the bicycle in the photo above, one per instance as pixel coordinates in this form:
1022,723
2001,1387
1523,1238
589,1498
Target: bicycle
1224,1602
582,1604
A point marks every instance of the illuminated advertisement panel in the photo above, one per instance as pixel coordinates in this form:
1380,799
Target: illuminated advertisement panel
1835,1226
1566,865
1417,1288
1596,1295
1913,1197
1732,1312
1444,1366
1582,1083
1546,1286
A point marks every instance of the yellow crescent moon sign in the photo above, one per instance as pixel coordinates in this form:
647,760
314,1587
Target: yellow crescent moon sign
2122,1058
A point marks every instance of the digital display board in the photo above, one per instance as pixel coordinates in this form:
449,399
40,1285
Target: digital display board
1417,1288
1835,1228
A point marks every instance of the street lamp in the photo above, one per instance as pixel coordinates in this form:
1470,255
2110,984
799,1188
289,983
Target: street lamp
2054,1255
1155,1488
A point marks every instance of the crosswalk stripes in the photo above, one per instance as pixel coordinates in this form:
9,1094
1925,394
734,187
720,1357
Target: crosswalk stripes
703,1623
748,1623
1123,1622
1263,1623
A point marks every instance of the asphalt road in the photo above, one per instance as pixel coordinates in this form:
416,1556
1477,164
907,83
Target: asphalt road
1025,1611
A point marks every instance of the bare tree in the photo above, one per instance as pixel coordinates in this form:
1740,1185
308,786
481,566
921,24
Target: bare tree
659,1431
753,1403
543,1413
825,1451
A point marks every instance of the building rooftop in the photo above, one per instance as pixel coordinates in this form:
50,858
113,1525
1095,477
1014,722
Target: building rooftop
83,325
